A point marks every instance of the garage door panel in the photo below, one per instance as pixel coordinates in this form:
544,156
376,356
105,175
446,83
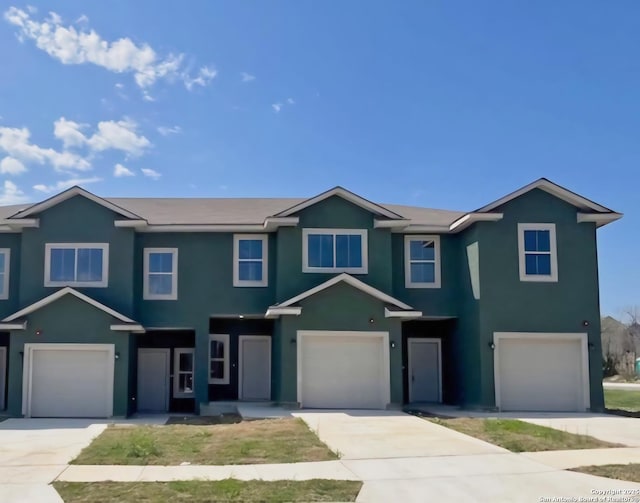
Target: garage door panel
71,383
541,374
343,372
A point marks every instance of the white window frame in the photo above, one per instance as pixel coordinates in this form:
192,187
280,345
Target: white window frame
77,246
146,294
334,232
176,372
553,277
264,238
224,338
407,261
4,295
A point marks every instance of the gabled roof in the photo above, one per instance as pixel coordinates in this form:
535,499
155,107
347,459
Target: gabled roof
68,194
287,307
576,200
61,293
344,194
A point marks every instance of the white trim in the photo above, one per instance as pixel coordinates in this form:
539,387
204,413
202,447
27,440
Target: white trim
61,293
224,338
350,280
138,329
130,223
3,376
407,261
176,372
241,339
103,283
272,223
68,194
364,245
203,228
344,194
146,295
27,370
13,326
553,277
167,367
22,223
386,373
264,238
7,273
420,340
401,314
276,311
600,219
548,186
471,218
583,338
5,229
390,224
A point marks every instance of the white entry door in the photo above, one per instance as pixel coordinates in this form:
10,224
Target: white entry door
68,380
254,372
343,370
153,380
425,372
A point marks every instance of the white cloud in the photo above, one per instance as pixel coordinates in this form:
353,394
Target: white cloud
76,46
17,144
110,135
277,107
119,85
65,184
83,19
119,171
11,194
11,166
291,101
147,97
151,173
166,131
247,77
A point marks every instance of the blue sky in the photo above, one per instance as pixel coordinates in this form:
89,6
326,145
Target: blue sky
433,103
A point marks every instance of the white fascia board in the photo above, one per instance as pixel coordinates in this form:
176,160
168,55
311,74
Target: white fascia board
272,223
203,228
6,229
276,311
13,326
61,293
130,223
401,314
553,189
24,222
472,218
600,219
422,229
390,224
138,329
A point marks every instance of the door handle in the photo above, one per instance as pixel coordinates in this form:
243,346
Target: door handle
413,378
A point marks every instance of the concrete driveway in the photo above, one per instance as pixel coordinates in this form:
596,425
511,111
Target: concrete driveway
405,458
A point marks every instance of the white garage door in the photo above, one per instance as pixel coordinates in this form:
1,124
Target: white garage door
69,380
542,372
343,370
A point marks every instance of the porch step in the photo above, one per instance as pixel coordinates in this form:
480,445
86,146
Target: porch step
228,407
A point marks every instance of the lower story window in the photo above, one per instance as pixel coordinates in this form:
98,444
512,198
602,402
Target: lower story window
219,358
183,373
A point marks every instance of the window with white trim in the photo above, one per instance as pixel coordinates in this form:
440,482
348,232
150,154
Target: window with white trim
537,252
5,255
422,261
183,360
334,250
76,264
160,274
250,264
219,358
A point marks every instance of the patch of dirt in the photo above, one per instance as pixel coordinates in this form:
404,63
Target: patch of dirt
621,412
230,418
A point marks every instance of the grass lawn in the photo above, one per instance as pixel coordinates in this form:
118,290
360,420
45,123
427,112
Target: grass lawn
520,436
622,399
203,491
266,441
629,472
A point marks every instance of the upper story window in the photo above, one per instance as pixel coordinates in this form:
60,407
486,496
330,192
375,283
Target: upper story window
76,264
537,252
334,250
422,261
5,255
160,274
250,266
